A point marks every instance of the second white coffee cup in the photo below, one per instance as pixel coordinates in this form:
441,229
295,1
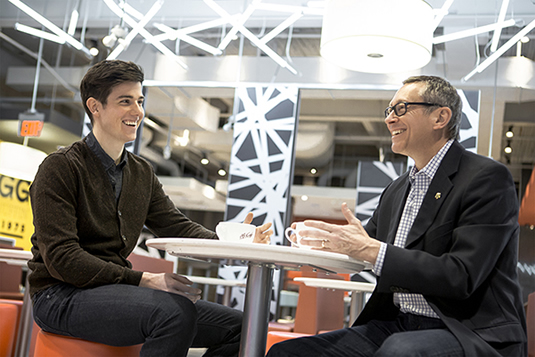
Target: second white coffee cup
300,226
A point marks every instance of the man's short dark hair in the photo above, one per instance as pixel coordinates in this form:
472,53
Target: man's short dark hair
101,78
440,91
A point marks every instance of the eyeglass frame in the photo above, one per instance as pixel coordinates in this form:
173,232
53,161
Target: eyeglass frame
392,108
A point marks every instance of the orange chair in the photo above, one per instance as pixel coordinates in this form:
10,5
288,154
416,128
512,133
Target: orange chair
52,345
8,328
317,310
18,304
315,315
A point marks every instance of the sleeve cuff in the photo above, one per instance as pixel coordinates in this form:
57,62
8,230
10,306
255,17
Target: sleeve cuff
133,277
380,259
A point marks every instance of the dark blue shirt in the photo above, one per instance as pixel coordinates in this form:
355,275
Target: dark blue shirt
115,172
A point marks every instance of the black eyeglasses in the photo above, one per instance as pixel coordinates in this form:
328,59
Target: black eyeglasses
401,108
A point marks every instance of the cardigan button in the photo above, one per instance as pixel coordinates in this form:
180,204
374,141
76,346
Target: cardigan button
119,213
124,237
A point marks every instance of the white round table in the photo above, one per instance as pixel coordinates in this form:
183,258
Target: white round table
261,259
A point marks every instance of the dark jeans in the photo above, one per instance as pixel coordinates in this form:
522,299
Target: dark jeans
409,335
121,315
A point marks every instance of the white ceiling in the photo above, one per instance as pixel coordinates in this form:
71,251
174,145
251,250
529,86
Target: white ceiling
340,113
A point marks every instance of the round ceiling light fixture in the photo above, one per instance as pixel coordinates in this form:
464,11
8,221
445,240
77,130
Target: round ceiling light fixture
19,161
379,36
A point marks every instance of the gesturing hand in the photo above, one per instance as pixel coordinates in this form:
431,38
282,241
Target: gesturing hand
262,234
351,239
173,283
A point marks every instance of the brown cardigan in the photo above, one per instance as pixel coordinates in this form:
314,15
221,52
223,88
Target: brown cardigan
82,235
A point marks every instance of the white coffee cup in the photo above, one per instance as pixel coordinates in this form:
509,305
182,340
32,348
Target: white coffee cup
300,226
235,232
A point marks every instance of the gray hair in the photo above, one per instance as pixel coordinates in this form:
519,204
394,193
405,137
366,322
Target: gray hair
438,90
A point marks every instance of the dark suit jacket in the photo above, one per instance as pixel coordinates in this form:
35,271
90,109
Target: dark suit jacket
461,254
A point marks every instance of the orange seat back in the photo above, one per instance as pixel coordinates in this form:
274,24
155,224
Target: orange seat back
319,309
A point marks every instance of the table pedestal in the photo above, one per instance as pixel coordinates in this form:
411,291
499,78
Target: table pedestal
355,307
256,310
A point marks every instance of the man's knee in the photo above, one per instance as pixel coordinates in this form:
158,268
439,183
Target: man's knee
181,308
175,310
279,349
420,343
395,345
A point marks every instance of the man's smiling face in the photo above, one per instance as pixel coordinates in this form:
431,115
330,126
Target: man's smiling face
412,131
119,119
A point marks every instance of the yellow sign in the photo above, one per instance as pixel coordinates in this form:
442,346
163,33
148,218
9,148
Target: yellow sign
16,219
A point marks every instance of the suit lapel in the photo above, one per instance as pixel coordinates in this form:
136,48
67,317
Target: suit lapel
436,195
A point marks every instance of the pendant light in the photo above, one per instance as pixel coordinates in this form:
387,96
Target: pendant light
377,36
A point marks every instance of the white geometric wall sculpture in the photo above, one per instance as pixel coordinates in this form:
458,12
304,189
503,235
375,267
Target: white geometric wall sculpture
372,178
261,166
470,119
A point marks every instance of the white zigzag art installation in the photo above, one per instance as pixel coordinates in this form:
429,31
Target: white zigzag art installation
261,166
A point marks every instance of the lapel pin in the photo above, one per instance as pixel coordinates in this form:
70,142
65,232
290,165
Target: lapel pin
437,195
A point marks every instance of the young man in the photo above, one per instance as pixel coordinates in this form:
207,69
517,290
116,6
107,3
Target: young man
443,241
90,202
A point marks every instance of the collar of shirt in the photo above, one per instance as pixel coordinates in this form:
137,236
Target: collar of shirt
107,161
432,166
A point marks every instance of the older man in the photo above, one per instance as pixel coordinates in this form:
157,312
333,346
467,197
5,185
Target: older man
443,242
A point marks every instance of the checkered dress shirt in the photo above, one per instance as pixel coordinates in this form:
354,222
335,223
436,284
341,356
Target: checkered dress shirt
420,181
